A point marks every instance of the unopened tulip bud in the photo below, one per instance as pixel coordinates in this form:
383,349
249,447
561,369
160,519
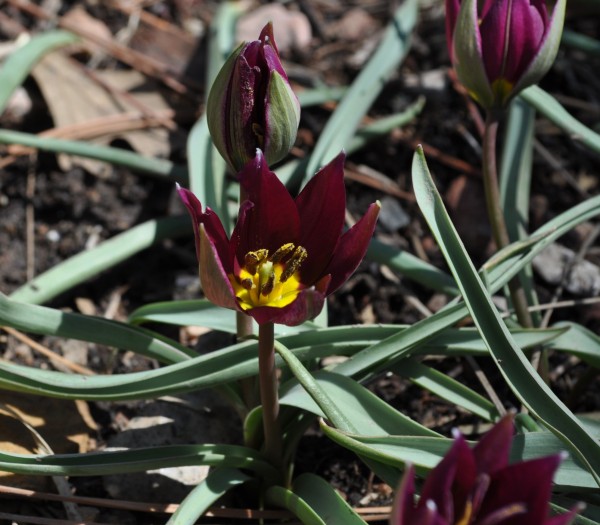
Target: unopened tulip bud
500,47
251,105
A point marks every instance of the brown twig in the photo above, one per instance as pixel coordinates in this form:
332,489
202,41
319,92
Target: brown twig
169,508
47,352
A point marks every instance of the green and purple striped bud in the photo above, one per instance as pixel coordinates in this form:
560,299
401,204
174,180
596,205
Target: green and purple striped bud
500,47
251,105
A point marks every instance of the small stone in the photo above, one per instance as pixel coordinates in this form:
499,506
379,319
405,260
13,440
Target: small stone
392,216
583,277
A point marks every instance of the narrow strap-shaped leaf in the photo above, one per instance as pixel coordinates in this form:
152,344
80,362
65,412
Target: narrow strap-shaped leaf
286,499
342,125
446,388
515,184
548,106
325,501
512,363
107,254
159,168
50,321
404,343
137,460
20,63
196,503
329,407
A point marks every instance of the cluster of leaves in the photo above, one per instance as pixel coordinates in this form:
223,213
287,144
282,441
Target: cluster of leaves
383,437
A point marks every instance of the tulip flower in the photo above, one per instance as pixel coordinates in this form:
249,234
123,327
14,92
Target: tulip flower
251,104
285,255
500,47
478,487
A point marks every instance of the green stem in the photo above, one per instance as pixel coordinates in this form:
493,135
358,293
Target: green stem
269,398
495,213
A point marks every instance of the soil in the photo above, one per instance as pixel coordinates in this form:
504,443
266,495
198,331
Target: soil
59,213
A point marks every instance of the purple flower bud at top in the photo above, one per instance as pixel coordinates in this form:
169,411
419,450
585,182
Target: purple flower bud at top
500,47
251,105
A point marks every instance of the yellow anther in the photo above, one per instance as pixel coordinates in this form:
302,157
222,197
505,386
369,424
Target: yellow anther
291,266
247,283
253,259
282,252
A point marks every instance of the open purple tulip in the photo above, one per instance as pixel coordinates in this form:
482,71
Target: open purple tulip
500,47
251,104
285,255
478,487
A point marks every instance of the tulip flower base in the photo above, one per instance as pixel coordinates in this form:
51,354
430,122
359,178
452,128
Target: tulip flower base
53,209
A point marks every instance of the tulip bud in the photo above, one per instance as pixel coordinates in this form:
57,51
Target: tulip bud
500,47
251,105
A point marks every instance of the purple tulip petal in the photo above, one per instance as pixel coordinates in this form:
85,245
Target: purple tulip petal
528,482
213,276
273,221
212,223
527,29
321,207
351,249
493,31
404,503
267,35
492,451
449,483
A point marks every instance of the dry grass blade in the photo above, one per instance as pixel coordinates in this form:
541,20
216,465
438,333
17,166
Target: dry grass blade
136,60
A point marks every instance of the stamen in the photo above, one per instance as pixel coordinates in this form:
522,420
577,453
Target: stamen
247,283
282,252
253,259
293,264
267,287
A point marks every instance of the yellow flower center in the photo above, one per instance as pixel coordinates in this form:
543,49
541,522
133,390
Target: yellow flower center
269,280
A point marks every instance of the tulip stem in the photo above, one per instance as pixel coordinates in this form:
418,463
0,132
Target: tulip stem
495,213
269,393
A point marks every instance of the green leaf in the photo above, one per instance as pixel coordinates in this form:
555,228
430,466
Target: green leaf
548,106
196,503
581,42
90,263
159,168
425,453
286,499
50,321
19,64
406,342
512,363
447,388
410,266
199,312
137,460
345,120
578,341
515,184
325,501
361,411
